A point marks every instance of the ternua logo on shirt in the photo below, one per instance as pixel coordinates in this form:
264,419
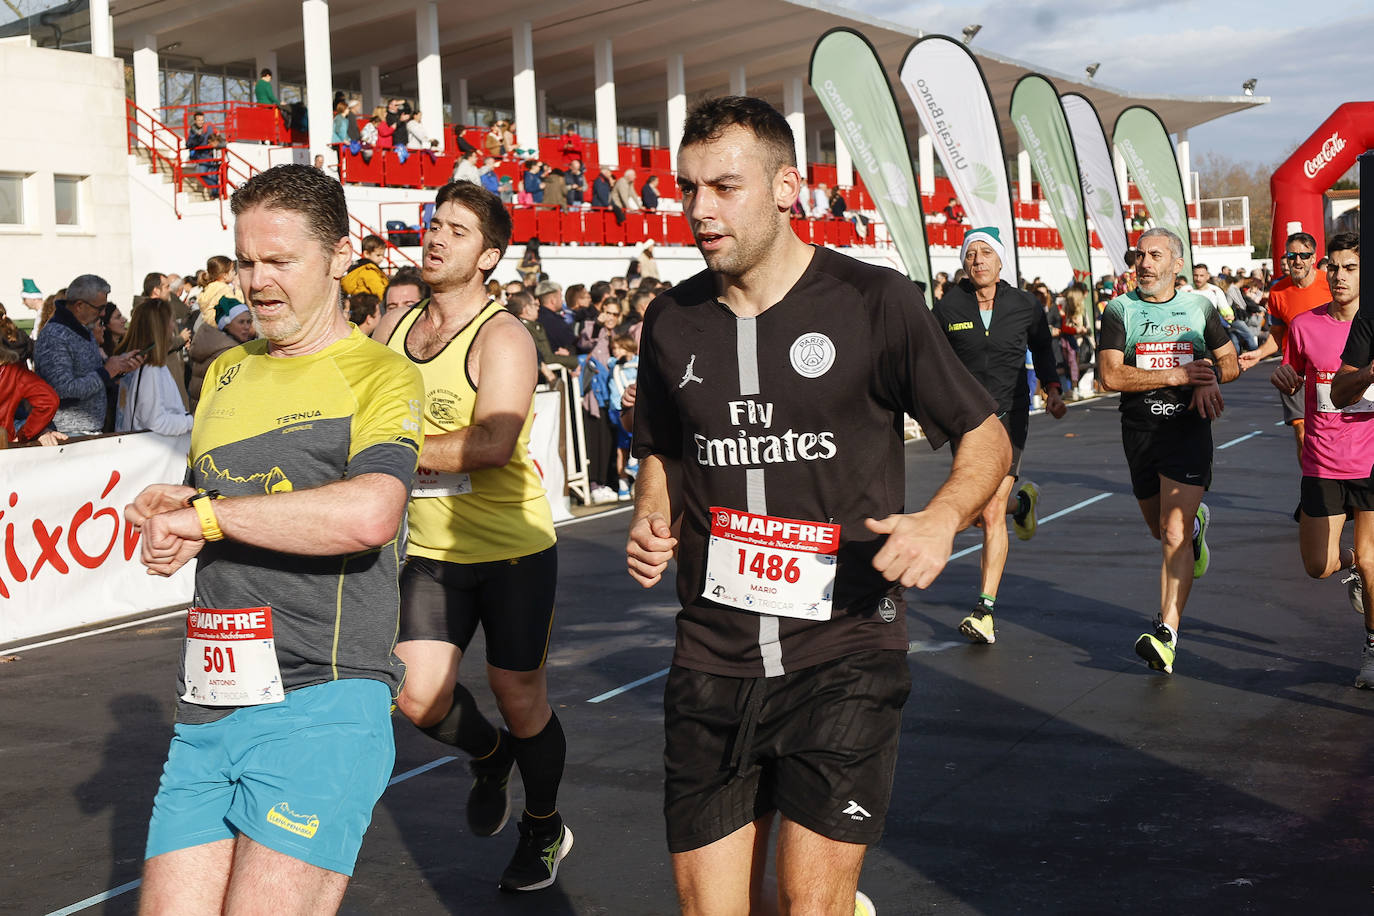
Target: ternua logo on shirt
960,326
297,417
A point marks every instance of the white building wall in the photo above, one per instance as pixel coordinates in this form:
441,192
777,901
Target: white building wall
64,115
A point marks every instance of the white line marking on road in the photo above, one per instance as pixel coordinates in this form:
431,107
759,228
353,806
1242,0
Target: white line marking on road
98,898
1239,441
924,645
1046,520
402,777
601,698
586,518
119,626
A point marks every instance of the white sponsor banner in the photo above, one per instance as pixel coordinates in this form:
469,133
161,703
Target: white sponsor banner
1101,194
544,435
67,556
949,92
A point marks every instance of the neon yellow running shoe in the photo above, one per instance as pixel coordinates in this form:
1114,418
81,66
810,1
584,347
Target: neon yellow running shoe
1157,648
863,906
1023,519
1201,556
978,626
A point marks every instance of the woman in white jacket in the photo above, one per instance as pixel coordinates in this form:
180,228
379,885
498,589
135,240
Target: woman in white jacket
149,397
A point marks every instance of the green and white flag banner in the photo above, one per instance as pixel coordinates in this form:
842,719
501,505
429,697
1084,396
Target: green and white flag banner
1044,131
1150,160
850,81
1098,174
952,99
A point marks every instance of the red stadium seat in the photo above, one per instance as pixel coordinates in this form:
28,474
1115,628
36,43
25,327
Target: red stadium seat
679,233
401,174
523,225
435,171
635,231
549,225
354,169
614,232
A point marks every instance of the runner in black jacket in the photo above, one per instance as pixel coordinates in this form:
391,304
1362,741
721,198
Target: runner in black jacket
990,325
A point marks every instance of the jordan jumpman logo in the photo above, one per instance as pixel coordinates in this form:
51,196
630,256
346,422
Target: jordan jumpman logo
689,376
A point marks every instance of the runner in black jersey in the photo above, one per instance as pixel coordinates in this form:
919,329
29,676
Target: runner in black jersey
990,324
1154,348
769,411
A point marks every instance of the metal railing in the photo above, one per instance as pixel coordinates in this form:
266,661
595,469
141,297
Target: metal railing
162,145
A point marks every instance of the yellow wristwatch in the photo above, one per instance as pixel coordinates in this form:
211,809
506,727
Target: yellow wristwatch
209,525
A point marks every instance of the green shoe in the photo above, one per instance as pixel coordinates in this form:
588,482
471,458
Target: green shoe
1201,556
978,626
1157,648
1023,519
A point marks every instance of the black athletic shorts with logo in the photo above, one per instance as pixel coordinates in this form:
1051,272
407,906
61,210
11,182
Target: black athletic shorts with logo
1323,497
818,744
511,599
1180,450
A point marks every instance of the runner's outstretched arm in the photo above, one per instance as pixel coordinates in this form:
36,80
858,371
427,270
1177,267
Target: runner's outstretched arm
918,544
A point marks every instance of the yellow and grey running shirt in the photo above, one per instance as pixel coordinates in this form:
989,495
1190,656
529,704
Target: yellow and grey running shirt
273,425
498,513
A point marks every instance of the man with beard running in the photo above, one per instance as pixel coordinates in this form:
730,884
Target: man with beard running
1167,352
481,539
771,393
990,324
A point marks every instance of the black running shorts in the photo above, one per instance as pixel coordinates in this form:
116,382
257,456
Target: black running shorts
818,744
1017,425
511,599
1180,450
1323,497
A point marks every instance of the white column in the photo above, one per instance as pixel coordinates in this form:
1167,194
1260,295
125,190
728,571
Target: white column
796,117
677,104
427,71
844,163
1023,176
371,81
319,79
1185,165
147,93
607,147
458,92
737,81
267,60
925,157
102,32
526,101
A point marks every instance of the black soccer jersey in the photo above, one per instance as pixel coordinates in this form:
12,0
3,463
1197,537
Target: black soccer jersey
796,413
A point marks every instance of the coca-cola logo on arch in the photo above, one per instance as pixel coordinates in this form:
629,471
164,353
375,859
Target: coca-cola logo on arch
1333,145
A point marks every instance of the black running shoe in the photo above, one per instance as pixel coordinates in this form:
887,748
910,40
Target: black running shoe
541,848
489,797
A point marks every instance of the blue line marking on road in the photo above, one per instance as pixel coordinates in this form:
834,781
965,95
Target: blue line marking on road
98,898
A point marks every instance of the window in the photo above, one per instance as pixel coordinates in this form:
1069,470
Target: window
66,190
11,199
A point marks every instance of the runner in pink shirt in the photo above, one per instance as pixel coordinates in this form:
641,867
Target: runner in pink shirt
1338,449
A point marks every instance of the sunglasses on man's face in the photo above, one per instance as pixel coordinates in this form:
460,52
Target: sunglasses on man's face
1299,256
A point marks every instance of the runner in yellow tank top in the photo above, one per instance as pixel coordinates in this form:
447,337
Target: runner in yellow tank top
481,543
477,516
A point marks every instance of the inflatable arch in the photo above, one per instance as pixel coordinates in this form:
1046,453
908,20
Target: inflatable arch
1298,184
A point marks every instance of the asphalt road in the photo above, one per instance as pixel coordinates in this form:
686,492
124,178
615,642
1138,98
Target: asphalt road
1049,773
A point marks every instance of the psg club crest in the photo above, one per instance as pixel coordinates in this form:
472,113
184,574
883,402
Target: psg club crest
812,354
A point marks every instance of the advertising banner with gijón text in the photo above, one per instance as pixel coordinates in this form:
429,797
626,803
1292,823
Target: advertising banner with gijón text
850,81
1040,123
1150,160
1098,174
69,557
951,96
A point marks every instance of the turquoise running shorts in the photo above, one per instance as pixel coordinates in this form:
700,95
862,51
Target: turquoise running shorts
300,776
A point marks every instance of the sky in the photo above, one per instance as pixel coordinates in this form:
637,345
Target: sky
1309,57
